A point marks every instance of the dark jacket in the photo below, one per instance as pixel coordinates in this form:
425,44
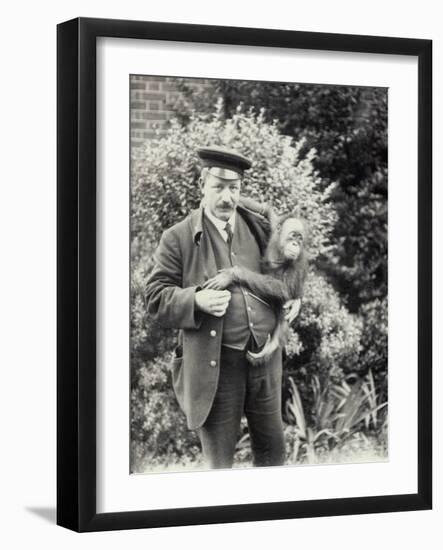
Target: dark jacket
183,261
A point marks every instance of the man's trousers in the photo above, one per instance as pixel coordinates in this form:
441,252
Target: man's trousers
251,390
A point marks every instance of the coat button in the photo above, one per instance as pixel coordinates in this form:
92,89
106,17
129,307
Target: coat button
213,363
213,333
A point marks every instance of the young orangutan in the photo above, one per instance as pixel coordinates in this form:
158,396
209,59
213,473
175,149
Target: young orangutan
283,275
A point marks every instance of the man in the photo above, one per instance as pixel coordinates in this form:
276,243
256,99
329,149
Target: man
213,381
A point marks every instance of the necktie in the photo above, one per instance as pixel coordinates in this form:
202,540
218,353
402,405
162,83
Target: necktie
229,233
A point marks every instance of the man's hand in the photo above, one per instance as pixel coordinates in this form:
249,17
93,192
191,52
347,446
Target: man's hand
291,309
222,280
214,302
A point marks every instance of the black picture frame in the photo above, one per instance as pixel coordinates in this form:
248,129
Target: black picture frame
76,278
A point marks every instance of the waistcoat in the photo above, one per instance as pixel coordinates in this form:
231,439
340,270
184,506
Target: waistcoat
247,314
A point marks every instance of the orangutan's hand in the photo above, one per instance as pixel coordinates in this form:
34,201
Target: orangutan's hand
221,281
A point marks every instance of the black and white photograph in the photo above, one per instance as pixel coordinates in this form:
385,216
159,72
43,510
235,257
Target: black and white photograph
258,274
221,287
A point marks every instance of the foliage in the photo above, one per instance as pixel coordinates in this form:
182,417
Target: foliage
375,342
326,340
339,411
159,434
148,339
329,333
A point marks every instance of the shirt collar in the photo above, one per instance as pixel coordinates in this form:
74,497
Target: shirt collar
196,221
220,224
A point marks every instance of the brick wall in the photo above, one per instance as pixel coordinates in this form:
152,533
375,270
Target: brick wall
153,101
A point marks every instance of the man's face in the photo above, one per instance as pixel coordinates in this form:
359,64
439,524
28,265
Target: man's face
220,196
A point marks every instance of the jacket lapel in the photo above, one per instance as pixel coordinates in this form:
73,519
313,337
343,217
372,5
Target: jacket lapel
206,260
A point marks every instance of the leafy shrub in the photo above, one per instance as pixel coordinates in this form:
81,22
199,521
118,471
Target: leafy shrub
375,342
326,340
159,433
324,314
148,339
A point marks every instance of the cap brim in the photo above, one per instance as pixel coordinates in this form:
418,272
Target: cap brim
224,173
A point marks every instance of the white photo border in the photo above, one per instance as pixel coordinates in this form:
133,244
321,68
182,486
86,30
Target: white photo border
117,490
